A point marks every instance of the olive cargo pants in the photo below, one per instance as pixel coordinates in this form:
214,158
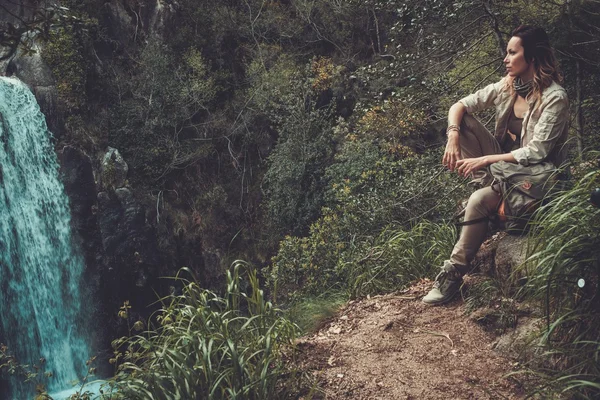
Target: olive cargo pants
475,141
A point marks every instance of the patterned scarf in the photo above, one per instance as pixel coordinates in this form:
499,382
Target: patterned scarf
522,89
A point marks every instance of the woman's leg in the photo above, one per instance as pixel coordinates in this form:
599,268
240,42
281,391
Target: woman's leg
482,203
476,140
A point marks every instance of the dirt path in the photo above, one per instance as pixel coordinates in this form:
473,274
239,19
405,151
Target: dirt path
395,347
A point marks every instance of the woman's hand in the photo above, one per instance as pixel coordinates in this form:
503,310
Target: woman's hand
452,153
469,165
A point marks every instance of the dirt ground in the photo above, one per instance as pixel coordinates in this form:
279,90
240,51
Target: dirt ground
395,347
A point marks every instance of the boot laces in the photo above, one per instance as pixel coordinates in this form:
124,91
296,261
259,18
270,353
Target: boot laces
448,272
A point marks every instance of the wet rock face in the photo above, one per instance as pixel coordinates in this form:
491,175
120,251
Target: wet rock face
130,247
113,170
78,178
118,243
29,66
131,21
127,238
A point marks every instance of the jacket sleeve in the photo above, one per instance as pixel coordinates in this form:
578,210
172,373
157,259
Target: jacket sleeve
553,121
483,98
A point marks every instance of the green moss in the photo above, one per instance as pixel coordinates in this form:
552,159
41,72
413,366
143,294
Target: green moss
64,54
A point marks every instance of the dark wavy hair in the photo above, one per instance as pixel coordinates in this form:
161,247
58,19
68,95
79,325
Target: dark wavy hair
536,46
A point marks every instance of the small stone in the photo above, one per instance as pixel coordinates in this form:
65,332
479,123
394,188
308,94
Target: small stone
336,330
340,376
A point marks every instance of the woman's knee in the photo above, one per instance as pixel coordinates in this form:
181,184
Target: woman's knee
469,123
485,200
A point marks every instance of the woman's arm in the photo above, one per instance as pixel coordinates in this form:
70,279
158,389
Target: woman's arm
551,126
480,100
452,152
469,165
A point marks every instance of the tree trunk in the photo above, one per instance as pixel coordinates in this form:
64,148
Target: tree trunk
495,27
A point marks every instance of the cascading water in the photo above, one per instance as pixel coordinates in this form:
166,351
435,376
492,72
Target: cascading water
41,312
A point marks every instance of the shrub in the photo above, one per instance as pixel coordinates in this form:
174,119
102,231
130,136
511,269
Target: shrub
359,265
377,189
399,257
396,126
207,346
294,183
157,109
373,201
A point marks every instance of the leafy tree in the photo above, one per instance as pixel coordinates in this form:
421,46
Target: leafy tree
157,108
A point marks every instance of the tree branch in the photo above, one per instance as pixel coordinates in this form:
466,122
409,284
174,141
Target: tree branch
495,27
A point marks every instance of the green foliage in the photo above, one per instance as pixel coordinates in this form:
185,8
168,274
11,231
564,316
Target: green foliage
374,202
565,250
207,346
311,264
37,376
294,182
156,110
376,189
34,374
399,257
396,127
359,264
310,312
64,55
491,305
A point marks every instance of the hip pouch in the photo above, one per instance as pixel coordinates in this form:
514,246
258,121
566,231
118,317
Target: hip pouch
523,188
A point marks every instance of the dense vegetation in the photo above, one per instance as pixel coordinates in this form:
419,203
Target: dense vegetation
304,136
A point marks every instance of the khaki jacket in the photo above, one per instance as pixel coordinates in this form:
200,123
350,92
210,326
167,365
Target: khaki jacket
545,124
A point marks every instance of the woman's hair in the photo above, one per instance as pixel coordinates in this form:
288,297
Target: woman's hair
537,49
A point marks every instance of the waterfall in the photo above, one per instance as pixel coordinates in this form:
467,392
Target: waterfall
41,311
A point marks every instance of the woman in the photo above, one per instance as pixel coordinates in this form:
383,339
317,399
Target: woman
532,118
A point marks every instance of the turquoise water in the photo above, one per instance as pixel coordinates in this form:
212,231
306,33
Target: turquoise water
92,388
41,312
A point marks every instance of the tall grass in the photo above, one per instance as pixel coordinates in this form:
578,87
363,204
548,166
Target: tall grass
399,257
207,346
565,255
310,312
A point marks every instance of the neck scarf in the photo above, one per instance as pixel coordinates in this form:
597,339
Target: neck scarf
523,89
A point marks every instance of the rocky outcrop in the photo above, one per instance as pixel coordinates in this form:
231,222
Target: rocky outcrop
500,255
119,244
113,170
520,343
78,178
132,21
128,239
30,68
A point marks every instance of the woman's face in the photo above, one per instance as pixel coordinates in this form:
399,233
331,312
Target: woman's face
515,63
